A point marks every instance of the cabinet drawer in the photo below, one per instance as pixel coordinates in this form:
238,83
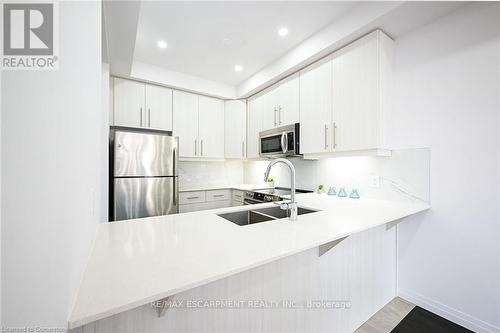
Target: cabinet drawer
237,195
218,195
204,206
191,197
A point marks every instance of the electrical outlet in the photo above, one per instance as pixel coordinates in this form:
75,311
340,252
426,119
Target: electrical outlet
375,181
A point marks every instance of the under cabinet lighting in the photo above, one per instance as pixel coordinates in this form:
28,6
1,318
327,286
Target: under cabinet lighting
161,44
283,32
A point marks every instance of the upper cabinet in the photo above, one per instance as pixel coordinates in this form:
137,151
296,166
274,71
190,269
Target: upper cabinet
143,105
288,100
280,103
342,103
345,98
199,124
211,127
254,125
128,103
158,107
235,128
185,115
316,107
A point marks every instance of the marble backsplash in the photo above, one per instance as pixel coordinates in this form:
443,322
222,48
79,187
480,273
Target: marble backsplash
193,174
403,176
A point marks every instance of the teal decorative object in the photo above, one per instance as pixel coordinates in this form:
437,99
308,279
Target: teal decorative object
331,191
342,193
354,194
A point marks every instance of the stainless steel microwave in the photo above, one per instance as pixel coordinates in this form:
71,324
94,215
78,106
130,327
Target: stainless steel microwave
280,141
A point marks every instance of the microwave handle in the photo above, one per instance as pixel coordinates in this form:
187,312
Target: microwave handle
284,142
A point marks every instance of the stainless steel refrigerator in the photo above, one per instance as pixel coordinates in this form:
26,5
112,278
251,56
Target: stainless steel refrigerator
144,179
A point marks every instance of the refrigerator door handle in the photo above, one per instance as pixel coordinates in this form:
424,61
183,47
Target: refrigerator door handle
174,153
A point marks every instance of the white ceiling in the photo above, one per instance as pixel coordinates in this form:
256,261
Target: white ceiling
206,39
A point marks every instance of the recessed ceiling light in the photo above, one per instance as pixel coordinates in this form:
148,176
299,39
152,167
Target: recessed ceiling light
283,32
238,68
161,44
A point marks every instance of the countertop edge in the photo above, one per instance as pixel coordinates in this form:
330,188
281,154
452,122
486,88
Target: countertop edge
77,322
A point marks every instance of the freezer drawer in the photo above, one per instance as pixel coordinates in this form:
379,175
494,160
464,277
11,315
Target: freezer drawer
143,197
144,154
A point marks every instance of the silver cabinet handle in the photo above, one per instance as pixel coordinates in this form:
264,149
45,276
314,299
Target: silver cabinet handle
279,114
218,195
243,149
195,147
201,147
334,135
326,136
141,117
149,117
275,123
190,198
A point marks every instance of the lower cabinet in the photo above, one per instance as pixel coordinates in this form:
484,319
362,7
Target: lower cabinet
237,198
202,200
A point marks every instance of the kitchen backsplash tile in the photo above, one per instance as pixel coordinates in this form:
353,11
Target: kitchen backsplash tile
403,176
193,174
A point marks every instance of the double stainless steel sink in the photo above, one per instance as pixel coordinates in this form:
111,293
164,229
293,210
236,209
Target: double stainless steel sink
251,216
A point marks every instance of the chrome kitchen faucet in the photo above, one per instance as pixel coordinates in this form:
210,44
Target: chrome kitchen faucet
292,205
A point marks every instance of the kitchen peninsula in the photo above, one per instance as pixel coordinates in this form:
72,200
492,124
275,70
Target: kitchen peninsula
145,260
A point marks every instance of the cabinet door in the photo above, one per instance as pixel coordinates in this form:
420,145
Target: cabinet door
185,118
316,107
235,129
288,108
254,126
356,95
129,103
211,127
158,107
269,106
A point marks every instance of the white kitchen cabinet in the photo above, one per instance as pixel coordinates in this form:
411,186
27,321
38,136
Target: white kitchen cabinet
136,104
129,98
360,73
235,119
254,125
199,124
111,101
269,105
211,127
185,118
280,103
345,99
158,107
202,200
237,198
316,107
288,101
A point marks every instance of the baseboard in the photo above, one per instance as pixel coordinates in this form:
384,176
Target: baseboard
467,321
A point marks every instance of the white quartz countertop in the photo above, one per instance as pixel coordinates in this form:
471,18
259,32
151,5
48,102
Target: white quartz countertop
242,187
138,261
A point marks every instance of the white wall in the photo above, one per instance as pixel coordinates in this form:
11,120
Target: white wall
447,97
52,160
201,174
